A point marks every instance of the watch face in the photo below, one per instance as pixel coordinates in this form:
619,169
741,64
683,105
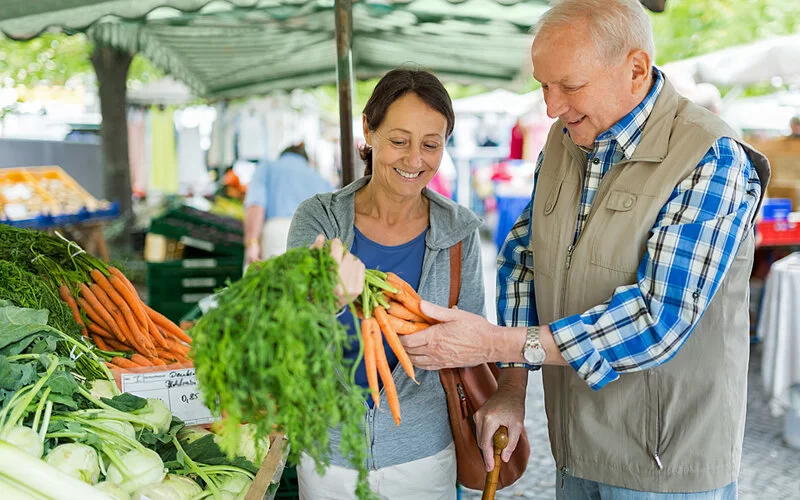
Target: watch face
534,355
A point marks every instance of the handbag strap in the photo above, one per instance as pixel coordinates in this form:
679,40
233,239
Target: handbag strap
455,274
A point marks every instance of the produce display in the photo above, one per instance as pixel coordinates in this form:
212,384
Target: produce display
65,429
29,193
268,358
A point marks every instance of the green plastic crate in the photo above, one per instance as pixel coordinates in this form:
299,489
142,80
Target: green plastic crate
288,488
175,287
209,232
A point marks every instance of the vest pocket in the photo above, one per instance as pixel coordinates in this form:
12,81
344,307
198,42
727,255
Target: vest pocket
616,246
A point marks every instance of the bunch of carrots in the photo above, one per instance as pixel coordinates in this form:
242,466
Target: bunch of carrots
109,310
390,306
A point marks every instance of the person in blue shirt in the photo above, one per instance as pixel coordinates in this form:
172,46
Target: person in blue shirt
274,193
392,221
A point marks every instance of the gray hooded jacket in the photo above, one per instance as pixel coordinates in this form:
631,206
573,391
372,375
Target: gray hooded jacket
425,428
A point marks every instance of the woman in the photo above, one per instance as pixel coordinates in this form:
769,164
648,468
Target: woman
390,221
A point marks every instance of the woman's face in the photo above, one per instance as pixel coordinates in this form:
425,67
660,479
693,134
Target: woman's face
408,145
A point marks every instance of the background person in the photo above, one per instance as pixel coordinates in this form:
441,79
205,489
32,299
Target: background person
273,195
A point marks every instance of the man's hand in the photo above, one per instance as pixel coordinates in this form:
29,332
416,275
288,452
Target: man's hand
461,339
351,271
505,407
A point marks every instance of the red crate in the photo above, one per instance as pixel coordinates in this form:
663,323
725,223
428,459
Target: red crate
777,233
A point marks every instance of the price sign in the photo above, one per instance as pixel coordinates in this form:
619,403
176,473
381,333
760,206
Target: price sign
176,388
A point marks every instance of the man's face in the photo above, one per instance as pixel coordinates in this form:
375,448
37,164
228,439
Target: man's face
586,92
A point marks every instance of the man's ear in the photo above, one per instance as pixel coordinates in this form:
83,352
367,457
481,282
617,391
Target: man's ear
367,134
641,66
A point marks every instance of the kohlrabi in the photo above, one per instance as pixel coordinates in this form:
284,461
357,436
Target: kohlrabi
136,468
77,460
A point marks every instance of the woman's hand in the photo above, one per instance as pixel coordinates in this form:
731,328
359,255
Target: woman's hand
351,271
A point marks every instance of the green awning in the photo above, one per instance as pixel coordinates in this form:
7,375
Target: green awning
234,48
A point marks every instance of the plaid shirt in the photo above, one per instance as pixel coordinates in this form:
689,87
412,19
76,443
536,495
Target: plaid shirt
690,248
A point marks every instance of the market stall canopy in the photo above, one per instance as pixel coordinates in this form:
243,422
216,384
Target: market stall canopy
757,62
167,91
233,48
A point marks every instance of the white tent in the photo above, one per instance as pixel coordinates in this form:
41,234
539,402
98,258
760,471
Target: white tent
757,62
167,91
498,101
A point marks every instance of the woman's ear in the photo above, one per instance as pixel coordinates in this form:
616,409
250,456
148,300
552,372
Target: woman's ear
365,126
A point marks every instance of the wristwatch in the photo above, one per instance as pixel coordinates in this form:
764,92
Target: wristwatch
532,350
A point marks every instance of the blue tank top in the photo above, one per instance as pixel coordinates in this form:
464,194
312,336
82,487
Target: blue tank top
405,261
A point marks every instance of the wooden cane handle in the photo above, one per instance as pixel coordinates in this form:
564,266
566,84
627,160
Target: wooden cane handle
500,441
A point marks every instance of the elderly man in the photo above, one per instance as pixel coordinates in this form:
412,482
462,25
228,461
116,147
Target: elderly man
625,278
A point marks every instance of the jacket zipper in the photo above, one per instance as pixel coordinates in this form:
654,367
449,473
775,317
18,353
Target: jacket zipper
570,250
658,429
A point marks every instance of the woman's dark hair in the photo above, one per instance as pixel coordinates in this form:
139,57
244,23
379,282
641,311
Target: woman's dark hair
394,85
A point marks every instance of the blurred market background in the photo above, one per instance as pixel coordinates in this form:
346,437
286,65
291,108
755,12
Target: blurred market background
134,127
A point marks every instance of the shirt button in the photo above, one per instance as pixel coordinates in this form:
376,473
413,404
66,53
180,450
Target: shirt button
596,160
628,203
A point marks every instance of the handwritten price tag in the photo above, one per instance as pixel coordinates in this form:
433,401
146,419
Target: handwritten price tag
176,388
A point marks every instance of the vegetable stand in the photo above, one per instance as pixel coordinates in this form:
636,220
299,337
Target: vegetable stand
48,198
66,430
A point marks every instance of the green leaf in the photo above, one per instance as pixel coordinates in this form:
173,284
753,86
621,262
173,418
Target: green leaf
63,383
23,316
126,402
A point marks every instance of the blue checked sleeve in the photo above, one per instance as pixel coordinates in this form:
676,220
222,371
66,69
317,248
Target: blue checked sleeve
516,302
691,247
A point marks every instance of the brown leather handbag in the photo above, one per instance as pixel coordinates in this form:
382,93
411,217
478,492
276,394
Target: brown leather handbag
467,389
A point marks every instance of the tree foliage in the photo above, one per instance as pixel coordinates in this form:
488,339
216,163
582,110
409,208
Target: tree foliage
690,28
54,58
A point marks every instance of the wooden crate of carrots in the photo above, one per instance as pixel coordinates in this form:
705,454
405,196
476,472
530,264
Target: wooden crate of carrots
391,307
110,312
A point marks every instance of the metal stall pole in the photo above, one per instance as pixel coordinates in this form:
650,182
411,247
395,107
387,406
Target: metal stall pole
344,84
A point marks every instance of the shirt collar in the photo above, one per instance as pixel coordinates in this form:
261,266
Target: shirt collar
627,132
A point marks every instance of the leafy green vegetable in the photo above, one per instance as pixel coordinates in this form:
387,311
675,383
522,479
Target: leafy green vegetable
271,354
42,306
126,402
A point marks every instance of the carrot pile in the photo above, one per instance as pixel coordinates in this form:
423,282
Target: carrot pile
110,312
390,306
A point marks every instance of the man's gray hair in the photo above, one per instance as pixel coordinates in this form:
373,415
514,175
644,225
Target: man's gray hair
616,26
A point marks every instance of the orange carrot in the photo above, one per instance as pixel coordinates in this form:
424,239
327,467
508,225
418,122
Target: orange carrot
406,295
403,327
67,297
140,360
178,348
124,363
117,346
368,338
155,332
132,337
170,327
131,299
394,341
101,311
386,376
98,330
99,342
102,282
158,362
94,316
398,310
167,355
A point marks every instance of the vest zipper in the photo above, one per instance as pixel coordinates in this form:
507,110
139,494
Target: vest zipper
658,429
564,382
